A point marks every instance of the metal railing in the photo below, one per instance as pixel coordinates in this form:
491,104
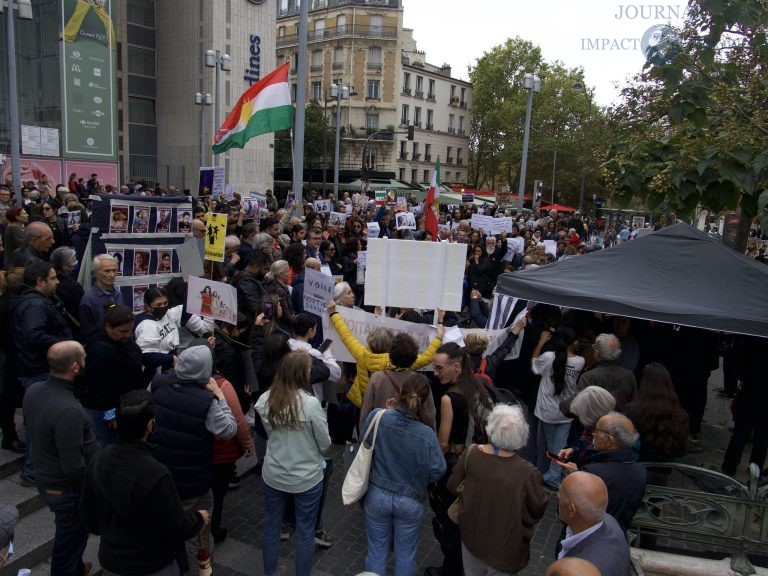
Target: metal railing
707,509
357,30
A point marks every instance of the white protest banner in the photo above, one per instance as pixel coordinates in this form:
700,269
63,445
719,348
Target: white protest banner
515,245
218,181
413,274
325,269
361,323
550,247
479,221
212,299
228,192
190,257
373,230
323,206
318,290
500,225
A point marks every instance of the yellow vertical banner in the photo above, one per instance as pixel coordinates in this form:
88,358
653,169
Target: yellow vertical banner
215,232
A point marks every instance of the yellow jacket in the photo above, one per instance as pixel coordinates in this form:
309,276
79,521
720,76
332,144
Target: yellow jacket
369,362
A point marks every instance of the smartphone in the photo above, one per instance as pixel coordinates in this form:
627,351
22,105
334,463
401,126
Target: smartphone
324,346
553,456
269,310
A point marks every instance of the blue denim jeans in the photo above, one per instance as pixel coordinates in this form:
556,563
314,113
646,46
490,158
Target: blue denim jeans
306,505
26,382
557,439
386,512
71,532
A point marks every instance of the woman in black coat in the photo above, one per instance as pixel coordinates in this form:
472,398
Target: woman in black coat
114,367
68,291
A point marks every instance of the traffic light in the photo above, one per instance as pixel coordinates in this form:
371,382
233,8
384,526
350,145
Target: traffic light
411,131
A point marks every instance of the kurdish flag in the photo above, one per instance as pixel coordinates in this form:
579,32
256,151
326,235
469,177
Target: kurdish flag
264,107
431,204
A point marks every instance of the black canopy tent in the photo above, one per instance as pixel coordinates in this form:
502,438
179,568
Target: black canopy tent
676,275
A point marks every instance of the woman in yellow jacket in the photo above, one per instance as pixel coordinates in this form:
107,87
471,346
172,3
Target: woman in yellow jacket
369,361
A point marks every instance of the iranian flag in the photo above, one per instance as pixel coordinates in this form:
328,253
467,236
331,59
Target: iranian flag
264,107
431,204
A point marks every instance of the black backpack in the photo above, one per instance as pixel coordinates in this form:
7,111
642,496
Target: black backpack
479,418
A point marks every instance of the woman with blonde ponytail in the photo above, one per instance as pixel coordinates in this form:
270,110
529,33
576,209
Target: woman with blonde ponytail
406,458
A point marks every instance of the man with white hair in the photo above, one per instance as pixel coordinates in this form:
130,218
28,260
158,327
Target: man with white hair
591,534
102,293
607,374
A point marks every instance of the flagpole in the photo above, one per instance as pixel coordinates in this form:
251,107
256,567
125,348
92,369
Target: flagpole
301,96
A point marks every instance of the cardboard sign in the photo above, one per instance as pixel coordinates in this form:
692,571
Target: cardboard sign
323,206
318,290
413,274
405,221
215,233
337,219
209,299
373,230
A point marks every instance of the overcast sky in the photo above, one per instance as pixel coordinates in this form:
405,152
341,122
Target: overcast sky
602,36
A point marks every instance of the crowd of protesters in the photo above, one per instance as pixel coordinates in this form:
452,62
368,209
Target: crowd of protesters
167,401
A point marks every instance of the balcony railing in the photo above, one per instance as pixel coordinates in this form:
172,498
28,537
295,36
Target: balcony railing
462,104
373,67
451,130
430,126
403,121
431,97
419,94
407,91
416,155
459,161
338,65
427,157
403,155
316,68
357,30
454,101
462,132
449,160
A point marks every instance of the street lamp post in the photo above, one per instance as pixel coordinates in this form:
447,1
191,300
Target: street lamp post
532,84
220,61
338,93
578,85
25,13
202,99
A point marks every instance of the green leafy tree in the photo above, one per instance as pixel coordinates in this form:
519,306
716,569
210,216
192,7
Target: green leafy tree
563,120
317,126
692,131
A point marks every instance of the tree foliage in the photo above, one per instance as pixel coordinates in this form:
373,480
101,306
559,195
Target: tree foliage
693,131
316,123
563,119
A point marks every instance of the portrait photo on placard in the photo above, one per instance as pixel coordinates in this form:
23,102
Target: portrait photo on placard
163,223
184,217
322,206
164,262
405,221
118,219
337,219
141,262
138,297
251,207
140,223
119,255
